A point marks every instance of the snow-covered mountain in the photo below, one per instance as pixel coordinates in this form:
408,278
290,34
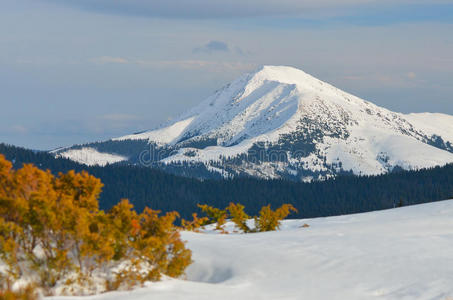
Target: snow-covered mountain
279,122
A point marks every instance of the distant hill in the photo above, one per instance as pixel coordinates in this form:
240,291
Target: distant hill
343,195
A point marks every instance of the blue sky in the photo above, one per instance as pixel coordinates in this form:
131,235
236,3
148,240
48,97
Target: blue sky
76,71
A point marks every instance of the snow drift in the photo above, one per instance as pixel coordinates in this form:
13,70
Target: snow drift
403,253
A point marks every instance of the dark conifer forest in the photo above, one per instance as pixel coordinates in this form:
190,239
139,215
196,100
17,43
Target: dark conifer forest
342,195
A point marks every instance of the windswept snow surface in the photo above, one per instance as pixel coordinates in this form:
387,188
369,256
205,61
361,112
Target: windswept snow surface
403,253
91,157
434,123
165,135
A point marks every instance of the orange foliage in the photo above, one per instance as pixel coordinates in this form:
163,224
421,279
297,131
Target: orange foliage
27,293
195,224
60,217
268,220
214,215
238,216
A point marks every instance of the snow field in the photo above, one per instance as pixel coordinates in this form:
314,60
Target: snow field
403,253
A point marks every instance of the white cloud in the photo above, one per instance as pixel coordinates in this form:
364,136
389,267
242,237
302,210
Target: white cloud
19,129
213,46
411,75
110,60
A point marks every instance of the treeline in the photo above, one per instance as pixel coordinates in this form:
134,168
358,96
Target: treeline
343,195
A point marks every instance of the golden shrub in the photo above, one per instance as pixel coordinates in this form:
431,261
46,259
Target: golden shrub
60,216
195,224
269,220
214,215
26,293
238,216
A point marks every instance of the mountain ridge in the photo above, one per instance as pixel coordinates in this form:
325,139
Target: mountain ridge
280,122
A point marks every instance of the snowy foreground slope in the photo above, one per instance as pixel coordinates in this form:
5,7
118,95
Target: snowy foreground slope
403,253
280,122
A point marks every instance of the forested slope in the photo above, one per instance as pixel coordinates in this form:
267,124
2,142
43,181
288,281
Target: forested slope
343,195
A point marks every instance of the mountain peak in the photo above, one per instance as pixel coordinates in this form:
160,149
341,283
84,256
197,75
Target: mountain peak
285,74
278,71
